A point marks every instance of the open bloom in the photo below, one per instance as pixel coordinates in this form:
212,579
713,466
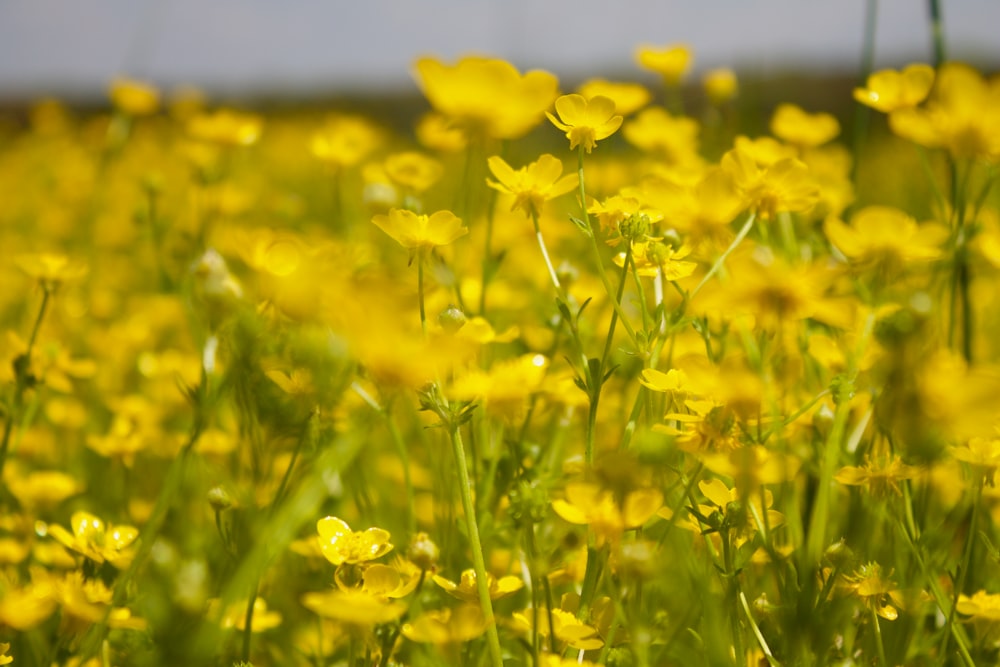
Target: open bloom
342,545
486,95
421,232
807,130
97,540
532,185
888,90
671,62
584,121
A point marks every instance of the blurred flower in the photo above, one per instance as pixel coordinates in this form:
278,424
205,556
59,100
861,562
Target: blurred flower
981,606
505,388
590,505
874,590
413,170
345,140
881,477
466,588
50,270
962,115
886,238
720,86
134,98
447,626
888,90
235,615
783,186
97,540
671,62
628,97
794,125
487,96
227,127
354,607
671,138
584,121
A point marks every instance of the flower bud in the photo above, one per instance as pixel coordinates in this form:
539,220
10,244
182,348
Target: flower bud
422,552
452,319
219,499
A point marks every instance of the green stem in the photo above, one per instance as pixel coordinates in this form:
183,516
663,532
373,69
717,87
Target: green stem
248,622
420,291
742,234
862,113
937,32
22,371
964,566
879,644
545,254
478,562
596,251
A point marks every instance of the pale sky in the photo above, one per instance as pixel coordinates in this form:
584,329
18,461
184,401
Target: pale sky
74,47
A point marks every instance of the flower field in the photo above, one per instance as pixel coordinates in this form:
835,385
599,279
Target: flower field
547,376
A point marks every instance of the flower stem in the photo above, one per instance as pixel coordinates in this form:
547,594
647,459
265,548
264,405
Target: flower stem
22,368
478,562
596,251
420,291
545,254
937,30
742,234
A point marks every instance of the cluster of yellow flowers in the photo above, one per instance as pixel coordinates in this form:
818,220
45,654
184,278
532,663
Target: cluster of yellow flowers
643,386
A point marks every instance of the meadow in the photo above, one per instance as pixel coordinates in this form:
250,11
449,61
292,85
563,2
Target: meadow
610,375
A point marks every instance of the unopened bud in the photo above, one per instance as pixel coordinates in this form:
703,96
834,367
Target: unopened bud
423,552
451,319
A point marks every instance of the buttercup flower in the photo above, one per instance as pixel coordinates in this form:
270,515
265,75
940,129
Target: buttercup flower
421,232
342,545
720,85
584,121
803,129
466,589
97,540
671,62
888,90
532,185
134,98
486,95
628,97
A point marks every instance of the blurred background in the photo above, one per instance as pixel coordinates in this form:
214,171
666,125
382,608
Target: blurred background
302,49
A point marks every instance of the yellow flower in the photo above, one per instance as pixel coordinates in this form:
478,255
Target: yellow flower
565,625
235,615
49,269
653,257
342,545
345,140
532,185
584,121
88,601
881,477
783,186
806,130
421,232
447,626
24,607
435,131
982,605
720,86
888,90
671,62
4,658
354,607
628,97
962,115
41,488
617,209
588,504
874,590
505,388
885,237
413,170
226,126
466,589
671,138
487,96
97,540
134,98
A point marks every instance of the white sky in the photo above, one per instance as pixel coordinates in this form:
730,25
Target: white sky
74,47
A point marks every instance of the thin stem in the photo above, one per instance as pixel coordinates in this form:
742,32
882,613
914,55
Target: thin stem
937,32
963,571
862,114
879,644
21,379
742,234
420,291
248,622
596,251
478,562
545,253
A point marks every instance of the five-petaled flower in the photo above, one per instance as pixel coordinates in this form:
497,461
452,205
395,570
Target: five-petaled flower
532,185
342,545
584,121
